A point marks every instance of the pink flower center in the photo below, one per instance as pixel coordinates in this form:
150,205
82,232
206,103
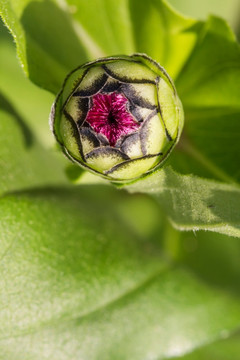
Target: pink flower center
109,116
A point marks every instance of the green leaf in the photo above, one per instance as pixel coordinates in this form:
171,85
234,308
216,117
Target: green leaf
209,87
91,245
47,44
23,162
210,94
29,101
225,9
94,289
203,71
212,257
193,203
228,349
102,32
150,27
94,273
162,33
215,259
50,44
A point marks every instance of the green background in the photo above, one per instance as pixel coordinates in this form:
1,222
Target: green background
89,271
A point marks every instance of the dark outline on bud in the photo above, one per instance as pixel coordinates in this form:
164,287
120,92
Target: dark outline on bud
118,117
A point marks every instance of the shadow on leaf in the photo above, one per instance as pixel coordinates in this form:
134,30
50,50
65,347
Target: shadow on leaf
5,105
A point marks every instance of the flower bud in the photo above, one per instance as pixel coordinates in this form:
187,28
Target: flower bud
118,117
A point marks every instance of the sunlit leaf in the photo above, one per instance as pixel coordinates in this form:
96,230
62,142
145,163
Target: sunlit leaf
193,203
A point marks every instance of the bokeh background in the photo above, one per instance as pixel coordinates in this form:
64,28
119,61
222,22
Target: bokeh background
214,258
229,10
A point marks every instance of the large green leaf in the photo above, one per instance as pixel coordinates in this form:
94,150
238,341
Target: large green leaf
193,203
70,253
92,288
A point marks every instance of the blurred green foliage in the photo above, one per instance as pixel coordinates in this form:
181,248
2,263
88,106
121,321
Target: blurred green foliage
92,272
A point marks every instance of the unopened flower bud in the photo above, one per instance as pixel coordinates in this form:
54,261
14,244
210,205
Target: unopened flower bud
118,117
